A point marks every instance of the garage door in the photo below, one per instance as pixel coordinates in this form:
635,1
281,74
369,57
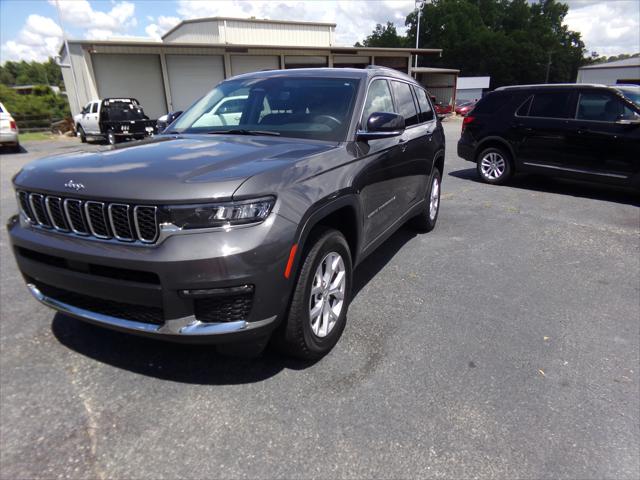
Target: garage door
253,63
137,76
191,76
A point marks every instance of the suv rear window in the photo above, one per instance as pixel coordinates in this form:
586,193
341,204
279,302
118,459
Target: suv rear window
491,103
551,104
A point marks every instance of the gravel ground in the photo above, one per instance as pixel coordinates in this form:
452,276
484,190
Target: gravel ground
504,344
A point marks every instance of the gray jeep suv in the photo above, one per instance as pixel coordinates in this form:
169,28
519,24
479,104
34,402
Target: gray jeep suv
240,223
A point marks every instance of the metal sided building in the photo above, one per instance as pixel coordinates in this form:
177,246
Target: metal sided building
611,73
169,75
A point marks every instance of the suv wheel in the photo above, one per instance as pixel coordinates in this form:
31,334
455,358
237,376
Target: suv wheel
83,136
494,166
318,311
426,220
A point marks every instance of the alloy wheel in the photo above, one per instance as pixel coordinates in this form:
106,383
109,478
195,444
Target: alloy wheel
327,294
493,165
434,199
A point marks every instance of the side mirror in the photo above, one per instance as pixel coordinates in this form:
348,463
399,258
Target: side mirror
171,116
628,121
382,125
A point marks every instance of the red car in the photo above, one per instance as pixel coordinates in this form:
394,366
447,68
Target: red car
441,109
464,108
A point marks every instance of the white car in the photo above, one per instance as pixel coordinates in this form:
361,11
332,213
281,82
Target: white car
8,130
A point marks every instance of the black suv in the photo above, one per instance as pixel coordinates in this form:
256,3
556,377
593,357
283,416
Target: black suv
586,132
231,227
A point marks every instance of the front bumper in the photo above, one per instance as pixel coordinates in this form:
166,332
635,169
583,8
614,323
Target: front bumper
160,278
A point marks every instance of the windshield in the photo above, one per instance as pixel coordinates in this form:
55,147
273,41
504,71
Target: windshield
121,112
632,93
314,108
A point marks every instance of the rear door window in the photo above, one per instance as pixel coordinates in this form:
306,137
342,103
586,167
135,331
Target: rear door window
602,107
378,100
94,108
406,105
426,112
552,104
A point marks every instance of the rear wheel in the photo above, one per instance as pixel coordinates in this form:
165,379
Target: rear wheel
83,136
111,138
494,166
426,220
318,311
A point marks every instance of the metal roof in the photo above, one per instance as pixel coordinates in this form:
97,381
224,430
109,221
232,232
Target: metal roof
250,20
430,69
233,48
627,62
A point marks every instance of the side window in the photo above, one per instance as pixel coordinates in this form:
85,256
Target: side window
94,108
602,107
405,103
523,110
86,108
378,100
426,112
551,105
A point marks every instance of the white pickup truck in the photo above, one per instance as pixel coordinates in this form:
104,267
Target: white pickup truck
114,119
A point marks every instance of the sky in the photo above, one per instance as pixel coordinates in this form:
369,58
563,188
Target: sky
30,29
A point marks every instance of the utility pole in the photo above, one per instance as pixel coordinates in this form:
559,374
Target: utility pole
419,6
546,79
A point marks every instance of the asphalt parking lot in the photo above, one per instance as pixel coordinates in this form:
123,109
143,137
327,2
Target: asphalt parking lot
504,344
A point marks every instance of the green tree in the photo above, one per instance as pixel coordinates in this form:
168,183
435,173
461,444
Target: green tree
512,41
384,36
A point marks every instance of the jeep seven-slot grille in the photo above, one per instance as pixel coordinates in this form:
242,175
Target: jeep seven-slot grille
104,220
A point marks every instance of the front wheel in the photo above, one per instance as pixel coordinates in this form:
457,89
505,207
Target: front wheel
494,166
318,310
426,220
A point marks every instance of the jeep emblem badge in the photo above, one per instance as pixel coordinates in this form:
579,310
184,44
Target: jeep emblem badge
74,186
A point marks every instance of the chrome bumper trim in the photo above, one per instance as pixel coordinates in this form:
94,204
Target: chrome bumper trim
185,326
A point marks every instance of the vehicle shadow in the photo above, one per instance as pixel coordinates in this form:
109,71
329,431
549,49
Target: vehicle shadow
198,364
562,186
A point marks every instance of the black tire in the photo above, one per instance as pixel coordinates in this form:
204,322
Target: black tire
502,166
426,220
83,136
111,138
296,337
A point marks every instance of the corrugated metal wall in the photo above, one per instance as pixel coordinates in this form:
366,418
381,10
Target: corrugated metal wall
137,76
248,33
191,76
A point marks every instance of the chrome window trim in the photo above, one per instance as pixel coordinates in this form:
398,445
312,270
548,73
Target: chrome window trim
89,223
113,227
135,221
48,208
35,211
65,204
24,213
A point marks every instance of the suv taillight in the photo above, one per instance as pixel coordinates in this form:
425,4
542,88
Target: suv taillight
12,125
466,121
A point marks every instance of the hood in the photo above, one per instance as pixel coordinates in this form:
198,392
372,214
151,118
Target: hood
166,168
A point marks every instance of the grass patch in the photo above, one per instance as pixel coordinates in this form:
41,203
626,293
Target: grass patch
36,136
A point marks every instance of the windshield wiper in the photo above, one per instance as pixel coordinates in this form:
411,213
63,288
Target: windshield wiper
242,131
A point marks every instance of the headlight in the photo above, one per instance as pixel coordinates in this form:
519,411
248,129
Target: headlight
209,215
